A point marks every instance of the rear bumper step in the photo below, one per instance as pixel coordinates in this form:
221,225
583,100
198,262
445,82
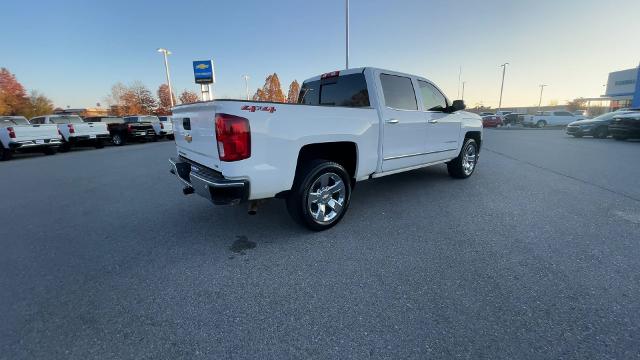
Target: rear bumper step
208,183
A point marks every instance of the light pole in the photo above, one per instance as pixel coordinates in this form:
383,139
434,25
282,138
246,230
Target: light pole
504,70
459,79
464,82
246,84
542,86
347,31
166,52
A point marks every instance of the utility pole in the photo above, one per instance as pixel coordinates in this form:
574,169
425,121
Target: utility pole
347,32
542,86
246,84
504,70
464,82
459,79
166,52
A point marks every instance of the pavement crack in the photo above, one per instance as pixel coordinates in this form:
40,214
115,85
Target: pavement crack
564,175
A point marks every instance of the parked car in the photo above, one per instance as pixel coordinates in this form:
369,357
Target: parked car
16,134
122,132
584,113
626,126
75,132
348,126
512,119
550,118
147,119
492,121
597,127
166,127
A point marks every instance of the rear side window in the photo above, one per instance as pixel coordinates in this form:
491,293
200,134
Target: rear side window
398,92
348,90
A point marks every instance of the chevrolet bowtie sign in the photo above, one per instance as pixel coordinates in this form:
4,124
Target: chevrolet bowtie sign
203,72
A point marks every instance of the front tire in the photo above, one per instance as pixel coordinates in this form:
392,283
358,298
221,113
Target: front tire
50,151
601,133
118,139
540,124
320,196
465,164
65,147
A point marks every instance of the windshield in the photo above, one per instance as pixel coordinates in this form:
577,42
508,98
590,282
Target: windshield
13,120
71,119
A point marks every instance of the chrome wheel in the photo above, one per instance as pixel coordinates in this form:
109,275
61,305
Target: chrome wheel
325,199
469,159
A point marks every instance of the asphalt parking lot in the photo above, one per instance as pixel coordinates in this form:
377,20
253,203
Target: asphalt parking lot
535,256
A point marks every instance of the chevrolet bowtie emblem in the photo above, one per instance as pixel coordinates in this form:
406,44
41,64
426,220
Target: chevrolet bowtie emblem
188,138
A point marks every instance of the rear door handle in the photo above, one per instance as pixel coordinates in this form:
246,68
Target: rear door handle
393,121
433,121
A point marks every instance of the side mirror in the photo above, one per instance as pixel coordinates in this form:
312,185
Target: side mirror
458,105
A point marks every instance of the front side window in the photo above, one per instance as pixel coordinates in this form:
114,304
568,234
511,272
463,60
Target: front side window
398,92
432,98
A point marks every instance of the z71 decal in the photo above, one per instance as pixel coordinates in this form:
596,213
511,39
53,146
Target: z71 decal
254,108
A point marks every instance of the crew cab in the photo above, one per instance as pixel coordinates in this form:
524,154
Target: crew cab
347,126
166,127
148,119
16,134
550,118
74,131
122,132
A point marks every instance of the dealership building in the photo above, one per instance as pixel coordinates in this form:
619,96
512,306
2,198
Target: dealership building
623,89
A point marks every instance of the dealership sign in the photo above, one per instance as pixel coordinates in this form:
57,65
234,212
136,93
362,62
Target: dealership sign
203,72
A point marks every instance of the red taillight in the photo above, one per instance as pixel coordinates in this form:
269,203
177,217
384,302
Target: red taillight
129,127
12,133
161,126
71,129
234,137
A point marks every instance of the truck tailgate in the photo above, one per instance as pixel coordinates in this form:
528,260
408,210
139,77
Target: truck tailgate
35,132
195,134
90,129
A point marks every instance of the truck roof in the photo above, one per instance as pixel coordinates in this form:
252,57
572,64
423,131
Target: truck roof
362,69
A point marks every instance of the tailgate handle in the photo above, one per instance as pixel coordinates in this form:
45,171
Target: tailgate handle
186,123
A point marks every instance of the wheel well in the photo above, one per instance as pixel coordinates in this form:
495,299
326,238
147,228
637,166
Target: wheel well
343,153
475,135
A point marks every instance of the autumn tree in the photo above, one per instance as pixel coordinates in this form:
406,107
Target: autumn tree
294,90
14,98
188,97
164,103
38,105
271,91
131,100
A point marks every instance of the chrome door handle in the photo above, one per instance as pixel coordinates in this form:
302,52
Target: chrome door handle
433,121
393,121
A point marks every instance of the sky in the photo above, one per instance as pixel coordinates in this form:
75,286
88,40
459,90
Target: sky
74,51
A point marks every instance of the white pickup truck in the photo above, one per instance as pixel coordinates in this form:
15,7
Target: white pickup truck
16,134
550,118
76,132
348,126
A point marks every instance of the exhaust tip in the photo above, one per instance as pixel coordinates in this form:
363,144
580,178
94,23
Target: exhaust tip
253,208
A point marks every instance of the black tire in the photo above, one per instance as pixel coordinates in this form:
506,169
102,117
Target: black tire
601,133
5,154
118,139
577,136
171,137
50,151
540,124
458,167
310,179
99,144
65,147
620,138
155,138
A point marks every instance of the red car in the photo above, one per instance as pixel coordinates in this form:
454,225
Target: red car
492,121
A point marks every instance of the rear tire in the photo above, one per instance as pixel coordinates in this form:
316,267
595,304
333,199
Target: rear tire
320,195
118,139
620,138
170,137
465,164
600,133
5,154
99,144
65,147
50,151
540,124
